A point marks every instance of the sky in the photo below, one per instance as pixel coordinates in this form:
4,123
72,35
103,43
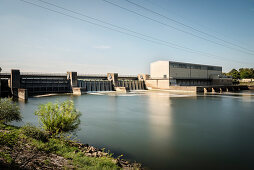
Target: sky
212,32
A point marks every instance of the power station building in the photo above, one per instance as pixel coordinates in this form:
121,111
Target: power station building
170,73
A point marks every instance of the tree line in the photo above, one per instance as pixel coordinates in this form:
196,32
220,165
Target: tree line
242,73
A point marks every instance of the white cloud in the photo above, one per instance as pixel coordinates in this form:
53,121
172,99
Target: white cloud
102,47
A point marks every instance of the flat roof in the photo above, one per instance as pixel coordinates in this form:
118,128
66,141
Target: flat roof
194,64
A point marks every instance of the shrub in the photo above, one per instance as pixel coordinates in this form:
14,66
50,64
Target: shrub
59,118
34,132
8,138
9,111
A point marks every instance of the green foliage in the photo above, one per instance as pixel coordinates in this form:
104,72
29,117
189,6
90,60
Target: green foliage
34,132
7,157
243,73
59,118
9,111
9,138
234,73
84,162
60,147
246,73
54,145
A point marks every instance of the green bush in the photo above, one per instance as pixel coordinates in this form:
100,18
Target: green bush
9,138
7,157
59,118
9,111
35,132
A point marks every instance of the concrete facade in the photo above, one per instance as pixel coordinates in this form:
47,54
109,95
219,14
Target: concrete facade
159,69
185,74
178,70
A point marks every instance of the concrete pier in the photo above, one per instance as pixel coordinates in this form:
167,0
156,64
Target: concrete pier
113,77
22,94
121,89
15,82
78,90
73,77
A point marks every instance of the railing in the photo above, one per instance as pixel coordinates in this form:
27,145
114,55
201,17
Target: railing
5,74
131,76
92,75
42,74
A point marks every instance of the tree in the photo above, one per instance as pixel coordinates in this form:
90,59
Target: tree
246,73
9,111
234,73
59,118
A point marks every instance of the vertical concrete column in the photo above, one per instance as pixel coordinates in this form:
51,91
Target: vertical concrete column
113,77
15,82
22,94
205,90
143,77
130,85
221,90
73,77
213,90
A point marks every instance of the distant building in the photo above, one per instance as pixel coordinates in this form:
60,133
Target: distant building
186,74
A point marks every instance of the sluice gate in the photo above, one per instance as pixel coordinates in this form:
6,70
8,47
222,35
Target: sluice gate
22,85
45,85
132,84
106,85
96,85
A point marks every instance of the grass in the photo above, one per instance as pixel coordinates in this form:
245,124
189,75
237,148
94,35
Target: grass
10,135
7,157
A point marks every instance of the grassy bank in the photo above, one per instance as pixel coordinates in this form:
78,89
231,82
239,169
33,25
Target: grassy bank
29,147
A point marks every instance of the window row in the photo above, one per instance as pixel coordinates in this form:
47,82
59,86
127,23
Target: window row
200,67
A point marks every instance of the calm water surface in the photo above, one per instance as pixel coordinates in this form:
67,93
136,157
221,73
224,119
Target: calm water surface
165,130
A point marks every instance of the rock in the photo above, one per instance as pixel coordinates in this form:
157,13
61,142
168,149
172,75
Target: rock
114,161
104,154
88,154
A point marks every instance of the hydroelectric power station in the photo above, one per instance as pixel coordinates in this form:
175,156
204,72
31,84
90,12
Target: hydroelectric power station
167,75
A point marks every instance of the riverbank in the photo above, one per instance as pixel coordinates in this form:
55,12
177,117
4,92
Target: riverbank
30,148
249,84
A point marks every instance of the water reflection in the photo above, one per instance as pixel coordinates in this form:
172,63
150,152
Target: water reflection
166,130
159,113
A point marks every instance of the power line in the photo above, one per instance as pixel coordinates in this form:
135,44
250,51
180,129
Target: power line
205,27
162,42
188,26
167,25
126,29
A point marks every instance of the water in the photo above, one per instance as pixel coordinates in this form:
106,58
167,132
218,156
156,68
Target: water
165,130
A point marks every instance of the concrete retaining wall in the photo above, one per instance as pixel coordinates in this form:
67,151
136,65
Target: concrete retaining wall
157,83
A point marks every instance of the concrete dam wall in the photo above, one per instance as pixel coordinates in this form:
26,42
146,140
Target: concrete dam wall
132,84
96,85
21,85
107,85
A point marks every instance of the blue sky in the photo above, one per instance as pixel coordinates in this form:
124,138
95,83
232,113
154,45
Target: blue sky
38,40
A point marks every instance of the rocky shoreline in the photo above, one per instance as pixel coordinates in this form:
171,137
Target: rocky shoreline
91,151
23,155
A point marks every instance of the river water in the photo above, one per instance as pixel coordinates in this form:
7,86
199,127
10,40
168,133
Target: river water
166,130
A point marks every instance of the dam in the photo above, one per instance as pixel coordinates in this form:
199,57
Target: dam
164,75
22,85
